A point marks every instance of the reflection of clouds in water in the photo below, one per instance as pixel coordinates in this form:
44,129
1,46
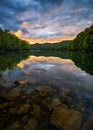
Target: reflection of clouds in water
50,67
56,66
11,75
78,72
46,63
47,59
45,66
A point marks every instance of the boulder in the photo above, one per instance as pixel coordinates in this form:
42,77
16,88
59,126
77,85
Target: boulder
20,109
64,92
15,126
66,119
36,111
20,82
55,102
31,124
44,90
14,93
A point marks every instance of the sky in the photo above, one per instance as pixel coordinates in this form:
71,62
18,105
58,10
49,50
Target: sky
42,21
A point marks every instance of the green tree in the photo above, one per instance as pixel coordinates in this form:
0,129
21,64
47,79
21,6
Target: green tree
9,41
83,41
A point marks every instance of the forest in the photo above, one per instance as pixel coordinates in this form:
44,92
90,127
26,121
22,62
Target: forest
83,41
10,42
64,45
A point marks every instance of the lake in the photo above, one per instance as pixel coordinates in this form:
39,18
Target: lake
42,90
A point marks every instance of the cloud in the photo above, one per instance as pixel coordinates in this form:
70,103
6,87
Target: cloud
50,3
46,20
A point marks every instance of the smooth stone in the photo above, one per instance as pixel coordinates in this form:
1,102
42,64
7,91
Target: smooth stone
3,105
21,109
20,82
64,92
55,102
36,111
66,119
15,92
44,90
31,124
14,126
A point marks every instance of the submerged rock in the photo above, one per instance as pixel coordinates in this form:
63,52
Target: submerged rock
3,105
21,109
15,92
80,106
44,90
55,102
64,92
31,124
36,111
66,119
25,119
15,126
20,82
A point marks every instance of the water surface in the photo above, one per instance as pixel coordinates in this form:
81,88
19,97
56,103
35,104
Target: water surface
34,86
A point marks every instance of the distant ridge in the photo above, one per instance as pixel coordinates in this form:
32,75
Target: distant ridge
64,45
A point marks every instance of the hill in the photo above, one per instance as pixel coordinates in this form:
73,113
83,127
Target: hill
83,41
9,41
64,45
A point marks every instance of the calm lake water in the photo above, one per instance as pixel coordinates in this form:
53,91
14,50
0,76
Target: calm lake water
46,91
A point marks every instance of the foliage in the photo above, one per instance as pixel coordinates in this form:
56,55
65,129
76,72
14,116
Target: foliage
55,46
9,41
83,41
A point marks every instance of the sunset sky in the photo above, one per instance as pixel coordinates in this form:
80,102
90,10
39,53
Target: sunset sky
41,21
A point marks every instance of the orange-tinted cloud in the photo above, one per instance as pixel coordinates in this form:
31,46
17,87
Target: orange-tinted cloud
52,21
43,40
46,20
50,40
24,24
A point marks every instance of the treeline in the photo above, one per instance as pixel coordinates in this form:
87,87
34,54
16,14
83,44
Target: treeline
83,41
64,45
9,41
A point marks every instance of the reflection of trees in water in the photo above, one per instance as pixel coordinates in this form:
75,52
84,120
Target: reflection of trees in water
83,60
60,54
10,59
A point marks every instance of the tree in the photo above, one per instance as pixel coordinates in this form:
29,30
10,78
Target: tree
9,41
83,41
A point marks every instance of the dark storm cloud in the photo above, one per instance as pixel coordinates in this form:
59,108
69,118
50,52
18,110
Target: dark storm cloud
50,3
46,18
17,5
